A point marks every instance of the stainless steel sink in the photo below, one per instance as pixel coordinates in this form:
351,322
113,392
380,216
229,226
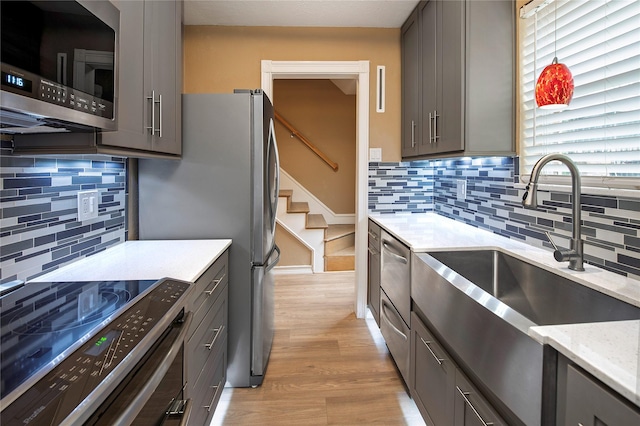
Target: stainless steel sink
539,295
481,303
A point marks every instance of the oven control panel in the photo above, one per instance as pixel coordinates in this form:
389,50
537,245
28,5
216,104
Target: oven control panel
65,387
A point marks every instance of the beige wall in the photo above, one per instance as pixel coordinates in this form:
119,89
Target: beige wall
292,251
220,59
324,115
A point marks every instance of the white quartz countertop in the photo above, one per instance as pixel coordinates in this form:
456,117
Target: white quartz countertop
144,260
608,350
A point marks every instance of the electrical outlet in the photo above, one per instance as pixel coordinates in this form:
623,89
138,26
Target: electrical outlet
87,205
461,189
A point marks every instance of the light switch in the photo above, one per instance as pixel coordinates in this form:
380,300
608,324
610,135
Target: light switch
375,154
461,189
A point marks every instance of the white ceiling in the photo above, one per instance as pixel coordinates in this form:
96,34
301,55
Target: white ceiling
299,13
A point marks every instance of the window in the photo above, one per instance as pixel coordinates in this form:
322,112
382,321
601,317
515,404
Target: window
599,40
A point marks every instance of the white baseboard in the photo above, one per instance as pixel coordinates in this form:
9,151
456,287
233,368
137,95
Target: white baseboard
293,269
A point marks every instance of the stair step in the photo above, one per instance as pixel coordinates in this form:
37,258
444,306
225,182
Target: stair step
316,221
347,251
285,193
343,260
298,207
338,231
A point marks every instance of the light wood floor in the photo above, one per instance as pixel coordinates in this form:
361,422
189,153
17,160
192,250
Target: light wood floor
326,366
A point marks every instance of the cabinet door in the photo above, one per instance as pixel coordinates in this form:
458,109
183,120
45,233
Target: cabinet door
410,87
433,376
471,409
164,36
429,48
589,403
132,103
451,94
373,295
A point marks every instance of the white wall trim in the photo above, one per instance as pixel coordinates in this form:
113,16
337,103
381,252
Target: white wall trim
358,70
315,205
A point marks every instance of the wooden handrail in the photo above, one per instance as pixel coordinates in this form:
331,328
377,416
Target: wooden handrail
306,141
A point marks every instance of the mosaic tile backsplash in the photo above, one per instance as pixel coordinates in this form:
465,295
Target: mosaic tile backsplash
39,228
610,224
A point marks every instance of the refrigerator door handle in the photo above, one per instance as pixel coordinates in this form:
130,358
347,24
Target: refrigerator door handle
274,202
270,266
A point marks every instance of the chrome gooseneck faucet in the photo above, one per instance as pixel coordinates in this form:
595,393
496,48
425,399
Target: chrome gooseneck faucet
529,200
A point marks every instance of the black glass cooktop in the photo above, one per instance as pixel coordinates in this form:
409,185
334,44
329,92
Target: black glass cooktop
40,321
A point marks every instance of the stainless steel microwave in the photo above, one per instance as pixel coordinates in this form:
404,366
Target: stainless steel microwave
59,66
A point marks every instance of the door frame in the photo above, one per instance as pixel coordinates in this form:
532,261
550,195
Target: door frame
358,70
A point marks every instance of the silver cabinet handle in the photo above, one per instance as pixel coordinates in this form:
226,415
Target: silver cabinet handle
153,129
215,286
215,337
374,236
427,344
388,248
152,98
466,400
215,394
385,316
435,127
160,115
372,251
413,134
430,129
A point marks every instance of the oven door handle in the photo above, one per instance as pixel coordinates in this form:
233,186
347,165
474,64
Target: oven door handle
129,414
187,413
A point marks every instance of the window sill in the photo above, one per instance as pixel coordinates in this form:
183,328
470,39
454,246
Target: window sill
614,187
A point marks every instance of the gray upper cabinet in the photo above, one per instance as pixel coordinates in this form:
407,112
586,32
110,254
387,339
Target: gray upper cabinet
149,103
150,83
465,61
410,81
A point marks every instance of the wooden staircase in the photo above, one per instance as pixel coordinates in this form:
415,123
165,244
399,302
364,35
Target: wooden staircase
340,248
339,240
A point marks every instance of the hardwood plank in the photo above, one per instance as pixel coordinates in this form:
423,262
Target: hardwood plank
326,366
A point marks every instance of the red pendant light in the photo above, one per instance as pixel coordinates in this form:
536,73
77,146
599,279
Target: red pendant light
554,88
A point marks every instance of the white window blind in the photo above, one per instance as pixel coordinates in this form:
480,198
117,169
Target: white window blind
599,40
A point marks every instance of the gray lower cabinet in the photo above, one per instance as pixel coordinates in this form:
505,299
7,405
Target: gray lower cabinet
465,68
470,408
206,345
584,400
373,274
441,391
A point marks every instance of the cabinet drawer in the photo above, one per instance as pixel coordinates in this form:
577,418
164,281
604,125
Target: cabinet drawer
208,339
470,406
208,389
396,335
432,376
208,287
374,236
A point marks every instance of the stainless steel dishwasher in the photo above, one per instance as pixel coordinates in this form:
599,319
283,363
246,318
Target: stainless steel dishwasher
395,300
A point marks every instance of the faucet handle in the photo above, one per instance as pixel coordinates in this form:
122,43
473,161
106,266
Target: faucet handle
559,254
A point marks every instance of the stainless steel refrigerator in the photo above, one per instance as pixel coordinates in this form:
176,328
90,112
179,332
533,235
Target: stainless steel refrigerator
225,186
